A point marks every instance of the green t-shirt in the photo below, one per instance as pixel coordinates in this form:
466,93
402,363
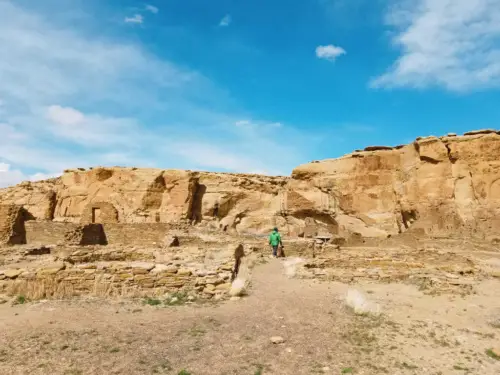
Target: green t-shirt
275,239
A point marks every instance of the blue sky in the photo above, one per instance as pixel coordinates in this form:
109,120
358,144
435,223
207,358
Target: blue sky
256,86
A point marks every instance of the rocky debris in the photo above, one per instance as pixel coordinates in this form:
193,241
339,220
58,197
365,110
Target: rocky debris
378,148
171,241
42,250
482,131
12,273
360,304
277,340
237,288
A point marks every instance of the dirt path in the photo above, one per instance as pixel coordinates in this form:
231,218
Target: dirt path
321,336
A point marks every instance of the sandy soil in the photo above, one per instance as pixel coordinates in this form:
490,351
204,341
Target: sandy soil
415,334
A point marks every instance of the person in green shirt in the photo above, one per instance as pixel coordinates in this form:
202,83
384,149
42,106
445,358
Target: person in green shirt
275,241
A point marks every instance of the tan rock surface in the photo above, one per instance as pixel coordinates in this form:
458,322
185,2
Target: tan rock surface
433,186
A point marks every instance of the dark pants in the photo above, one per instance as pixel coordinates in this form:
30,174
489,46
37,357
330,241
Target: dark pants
275,250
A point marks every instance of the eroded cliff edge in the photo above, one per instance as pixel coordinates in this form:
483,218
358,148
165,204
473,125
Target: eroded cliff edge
433,186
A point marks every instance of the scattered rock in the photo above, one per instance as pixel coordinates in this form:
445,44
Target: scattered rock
38,251
223,287
12,273
159,268
237,288
143,265
171,241
378,148
184,272
277,340
481,131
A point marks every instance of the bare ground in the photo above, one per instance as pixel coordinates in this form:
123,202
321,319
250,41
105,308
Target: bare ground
416,333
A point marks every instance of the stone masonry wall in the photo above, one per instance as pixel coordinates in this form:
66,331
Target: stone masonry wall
136,234
12,230
49,232
104,271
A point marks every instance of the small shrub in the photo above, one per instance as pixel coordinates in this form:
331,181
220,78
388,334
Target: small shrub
260,370
347,370
490,353
184,372
152,301
176,299
408,366
20,299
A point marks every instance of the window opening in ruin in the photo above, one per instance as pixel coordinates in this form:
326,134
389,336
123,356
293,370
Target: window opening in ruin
96,215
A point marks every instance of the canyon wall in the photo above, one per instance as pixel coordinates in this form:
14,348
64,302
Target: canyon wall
434,186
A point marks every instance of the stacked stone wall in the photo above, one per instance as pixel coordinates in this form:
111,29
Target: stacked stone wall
50,232
12,230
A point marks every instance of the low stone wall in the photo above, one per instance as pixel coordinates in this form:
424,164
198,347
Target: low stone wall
62,279
136,234
47,232
50,232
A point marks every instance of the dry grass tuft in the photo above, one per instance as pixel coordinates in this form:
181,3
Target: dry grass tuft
52,288
42,289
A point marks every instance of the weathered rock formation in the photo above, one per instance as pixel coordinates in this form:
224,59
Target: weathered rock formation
432,186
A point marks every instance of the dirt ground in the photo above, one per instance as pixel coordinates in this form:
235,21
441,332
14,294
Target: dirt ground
416,333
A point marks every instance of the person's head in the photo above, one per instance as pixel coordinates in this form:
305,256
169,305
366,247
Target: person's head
275,229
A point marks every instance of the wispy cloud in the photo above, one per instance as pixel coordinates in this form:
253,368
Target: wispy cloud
135,19
226,21
10,176
449,43
72,98
329,52
152,9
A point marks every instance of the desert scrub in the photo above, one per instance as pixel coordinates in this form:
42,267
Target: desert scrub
152,301
490,353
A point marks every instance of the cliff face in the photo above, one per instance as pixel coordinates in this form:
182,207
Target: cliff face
435,185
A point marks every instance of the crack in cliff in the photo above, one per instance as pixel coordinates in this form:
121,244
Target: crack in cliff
452,158
428,159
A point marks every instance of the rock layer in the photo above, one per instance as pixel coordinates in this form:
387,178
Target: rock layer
432,186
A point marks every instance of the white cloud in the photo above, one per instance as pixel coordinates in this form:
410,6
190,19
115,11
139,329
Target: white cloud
65,116
448,43
135,19
4,167
226,21
329,52
73,97
152,9
9,177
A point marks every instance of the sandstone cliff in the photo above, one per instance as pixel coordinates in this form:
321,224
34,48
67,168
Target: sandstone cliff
433,186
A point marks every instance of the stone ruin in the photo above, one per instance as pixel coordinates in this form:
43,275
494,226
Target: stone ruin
436,186
12,231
